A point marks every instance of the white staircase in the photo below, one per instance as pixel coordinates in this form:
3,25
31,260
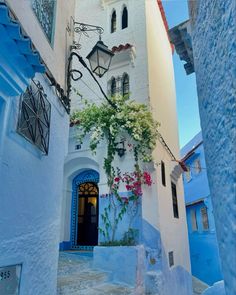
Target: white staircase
77,277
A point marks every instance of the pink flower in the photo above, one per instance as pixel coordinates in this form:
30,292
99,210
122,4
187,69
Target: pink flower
125,200
128,187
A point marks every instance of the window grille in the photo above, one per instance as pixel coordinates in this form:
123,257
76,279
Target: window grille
45,13
34,117
124,18
174,200
194,220
205,222
113,22
125,85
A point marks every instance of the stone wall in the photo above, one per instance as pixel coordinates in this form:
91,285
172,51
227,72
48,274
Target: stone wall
214,45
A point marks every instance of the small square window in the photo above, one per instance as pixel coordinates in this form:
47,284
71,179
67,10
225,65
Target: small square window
194,220
171,258
205,222
34,117
188,175
197,165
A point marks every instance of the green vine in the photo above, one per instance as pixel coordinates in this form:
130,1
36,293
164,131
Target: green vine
103,122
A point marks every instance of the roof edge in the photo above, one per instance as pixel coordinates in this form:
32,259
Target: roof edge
163,15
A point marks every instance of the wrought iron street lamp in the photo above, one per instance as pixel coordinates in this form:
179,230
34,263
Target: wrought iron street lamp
99,59
120,148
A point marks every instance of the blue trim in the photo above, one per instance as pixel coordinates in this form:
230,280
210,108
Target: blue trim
84,248
11,34
193,157
63,246
85,176
85,254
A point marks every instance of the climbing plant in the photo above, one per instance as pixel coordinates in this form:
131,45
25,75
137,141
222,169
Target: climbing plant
106,122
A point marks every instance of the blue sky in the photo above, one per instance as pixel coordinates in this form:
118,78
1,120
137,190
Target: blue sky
187,104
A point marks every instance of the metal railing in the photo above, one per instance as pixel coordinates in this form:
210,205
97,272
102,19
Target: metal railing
45,13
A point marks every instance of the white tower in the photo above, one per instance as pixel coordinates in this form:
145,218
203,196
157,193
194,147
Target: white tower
136,30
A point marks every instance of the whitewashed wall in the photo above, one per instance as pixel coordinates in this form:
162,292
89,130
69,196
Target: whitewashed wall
163,101
151,81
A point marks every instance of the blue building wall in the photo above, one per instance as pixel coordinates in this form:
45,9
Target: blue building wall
214,49
30,194
204,251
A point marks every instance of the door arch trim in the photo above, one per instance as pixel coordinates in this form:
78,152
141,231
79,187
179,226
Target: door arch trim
85,176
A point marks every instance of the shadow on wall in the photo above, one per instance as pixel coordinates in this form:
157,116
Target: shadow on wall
205,257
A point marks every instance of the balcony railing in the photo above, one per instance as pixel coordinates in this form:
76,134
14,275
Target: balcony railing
45,13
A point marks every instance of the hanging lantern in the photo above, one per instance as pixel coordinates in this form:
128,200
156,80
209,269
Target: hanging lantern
100,59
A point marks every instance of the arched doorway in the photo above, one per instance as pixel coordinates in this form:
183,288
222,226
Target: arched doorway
87,233
85,210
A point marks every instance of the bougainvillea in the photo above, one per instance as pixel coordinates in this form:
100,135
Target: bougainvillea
106,122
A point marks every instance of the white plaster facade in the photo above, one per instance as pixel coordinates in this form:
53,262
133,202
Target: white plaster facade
150,69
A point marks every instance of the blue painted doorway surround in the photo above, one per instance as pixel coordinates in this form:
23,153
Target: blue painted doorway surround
83,177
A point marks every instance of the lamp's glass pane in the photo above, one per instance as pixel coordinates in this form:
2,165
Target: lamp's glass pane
93,60
104,59
100,71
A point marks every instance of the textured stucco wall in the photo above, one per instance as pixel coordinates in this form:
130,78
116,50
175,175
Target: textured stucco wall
31,191
214,46
125,264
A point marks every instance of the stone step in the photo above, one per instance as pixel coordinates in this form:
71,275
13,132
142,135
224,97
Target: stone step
108,289
72,263
73,283
76,276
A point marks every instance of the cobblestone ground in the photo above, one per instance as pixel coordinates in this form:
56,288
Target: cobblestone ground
77,277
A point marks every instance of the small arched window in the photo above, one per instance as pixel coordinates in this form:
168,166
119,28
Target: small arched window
125,85
113,86
113,22
124,18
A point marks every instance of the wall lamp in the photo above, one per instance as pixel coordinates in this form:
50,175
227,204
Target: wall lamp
99,58
120,148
